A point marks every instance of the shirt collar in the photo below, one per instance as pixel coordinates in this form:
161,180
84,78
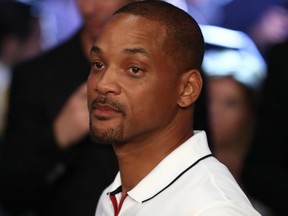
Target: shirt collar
167,171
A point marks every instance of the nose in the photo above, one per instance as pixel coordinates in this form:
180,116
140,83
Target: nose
105,82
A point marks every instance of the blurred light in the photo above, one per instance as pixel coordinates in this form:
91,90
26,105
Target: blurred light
233,53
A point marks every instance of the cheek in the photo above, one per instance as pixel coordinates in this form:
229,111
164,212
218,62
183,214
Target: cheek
91,83
154,106
144,105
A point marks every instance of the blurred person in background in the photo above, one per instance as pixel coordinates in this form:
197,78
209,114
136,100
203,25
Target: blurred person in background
49,164
265,21
270,29
19,40
265,170
235,72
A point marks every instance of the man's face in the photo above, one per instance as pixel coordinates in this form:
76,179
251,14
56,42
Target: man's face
96,12
133,84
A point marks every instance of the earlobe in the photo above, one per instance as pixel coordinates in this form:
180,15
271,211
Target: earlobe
190,88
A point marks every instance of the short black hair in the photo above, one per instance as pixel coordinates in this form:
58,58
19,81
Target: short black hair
184,42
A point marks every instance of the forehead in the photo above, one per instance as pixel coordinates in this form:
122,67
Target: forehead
130,30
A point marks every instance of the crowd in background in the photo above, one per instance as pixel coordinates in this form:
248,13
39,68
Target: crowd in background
245,70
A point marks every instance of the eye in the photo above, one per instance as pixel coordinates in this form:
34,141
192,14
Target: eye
135,70
97,65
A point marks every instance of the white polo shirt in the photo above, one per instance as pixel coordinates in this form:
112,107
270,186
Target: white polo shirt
188,182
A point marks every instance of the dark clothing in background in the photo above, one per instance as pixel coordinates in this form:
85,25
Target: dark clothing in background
265,174
34,173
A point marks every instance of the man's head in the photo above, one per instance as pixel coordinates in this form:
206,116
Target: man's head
96,12
144,77
182,41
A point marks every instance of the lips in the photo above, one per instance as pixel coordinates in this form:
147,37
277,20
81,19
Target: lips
105,107
104,110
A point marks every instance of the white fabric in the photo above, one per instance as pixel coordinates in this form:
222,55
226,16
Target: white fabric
206,189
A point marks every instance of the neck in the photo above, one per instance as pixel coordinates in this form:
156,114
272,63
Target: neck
137,160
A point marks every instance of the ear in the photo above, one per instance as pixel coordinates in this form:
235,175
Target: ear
190,88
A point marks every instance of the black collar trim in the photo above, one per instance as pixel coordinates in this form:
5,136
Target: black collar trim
119,189
196,162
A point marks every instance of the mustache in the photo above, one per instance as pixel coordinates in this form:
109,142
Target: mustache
104,100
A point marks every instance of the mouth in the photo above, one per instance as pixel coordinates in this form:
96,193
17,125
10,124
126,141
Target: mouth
104,111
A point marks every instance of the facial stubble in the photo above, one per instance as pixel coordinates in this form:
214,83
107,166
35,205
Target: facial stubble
109,135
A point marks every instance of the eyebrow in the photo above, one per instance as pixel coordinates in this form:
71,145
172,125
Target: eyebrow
136,51
95,50
130,51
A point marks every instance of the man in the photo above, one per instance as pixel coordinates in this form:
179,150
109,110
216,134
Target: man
49,164
142,88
